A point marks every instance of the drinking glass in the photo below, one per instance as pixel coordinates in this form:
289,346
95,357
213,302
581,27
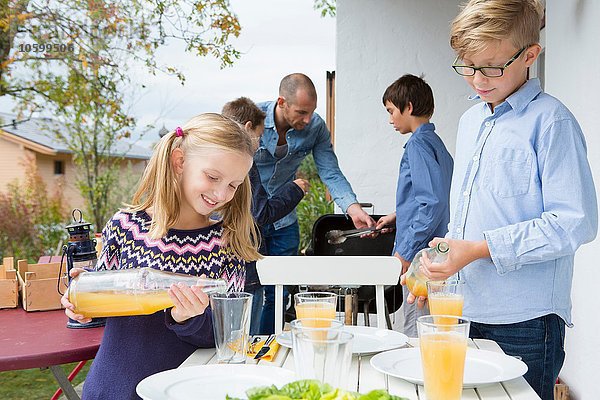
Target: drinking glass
322,352
443,351
445,297
315,305
231,325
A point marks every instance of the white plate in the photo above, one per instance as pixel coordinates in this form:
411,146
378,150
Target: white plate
482,367
209,382
367,339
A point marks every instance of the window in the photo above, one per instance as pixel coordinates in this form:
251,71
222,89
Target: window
59,167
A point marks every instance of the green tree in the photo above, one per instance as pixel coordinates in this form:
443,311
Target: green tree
30,218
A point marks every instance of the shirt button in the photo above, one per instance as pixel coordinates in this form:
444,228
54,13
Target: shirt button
476,158
488,123
458,230
465,193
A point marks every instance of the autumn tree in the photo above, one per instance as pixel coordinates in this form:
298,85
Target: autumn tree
71,58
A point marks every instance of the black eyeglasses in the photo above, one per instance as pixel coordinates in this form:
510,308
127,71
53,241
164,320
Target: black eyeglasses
490,72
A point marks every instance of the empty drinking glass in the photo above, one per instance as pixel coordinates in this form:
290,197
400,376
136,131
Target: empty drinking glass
322,350
231,325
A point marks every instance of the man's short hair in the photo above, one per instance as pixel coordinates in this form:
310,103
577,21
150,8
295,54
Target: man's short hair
411,89
243,110
291,83
483,21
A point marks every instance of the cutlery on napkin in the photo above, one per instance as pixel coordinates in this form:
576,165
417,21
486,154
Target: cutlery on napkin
268,350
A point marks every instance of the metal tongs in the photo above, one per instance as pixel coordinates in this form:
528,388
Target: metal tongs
338,237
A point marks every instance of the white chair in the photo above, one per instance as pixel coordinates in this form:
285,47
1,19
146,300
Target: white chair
326,270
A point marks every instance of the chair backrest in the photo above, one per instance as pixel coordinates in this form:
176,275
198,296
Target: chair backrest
324,270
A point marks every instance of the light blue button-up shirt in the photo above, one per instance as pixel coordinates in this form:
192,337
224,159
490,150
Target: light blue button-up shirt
523,183
276,172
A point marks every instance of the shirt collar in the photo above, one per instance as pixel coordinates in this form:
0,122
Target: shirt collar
270,118
428,126
522,97
526,93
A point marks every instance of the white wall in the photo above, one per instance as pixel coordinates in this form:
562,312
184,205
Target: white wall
377,42
572,65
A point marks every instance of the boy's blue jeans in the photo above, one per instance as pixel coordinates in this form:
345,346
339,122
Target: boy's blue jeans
281,242
540,344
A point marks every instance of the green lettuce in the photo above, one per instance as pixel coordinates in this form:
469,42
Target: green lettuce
309,389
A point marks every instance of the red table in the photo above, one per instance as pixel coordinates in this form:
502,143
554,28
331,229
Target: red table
40,339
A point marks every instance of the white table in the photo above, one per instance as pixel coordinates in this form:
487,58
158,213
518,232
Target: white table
367,378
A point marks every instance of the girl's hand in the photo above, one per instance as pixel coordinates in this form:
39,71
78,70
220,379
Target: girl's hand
69,307
462,253
189,301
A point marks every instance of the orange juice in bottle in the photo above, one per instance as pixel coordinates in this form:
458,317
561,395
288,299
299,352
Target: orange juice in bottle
416,282
136,291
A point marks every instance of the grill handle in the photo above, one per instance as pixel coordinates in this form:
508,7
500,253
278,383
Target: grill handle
368,205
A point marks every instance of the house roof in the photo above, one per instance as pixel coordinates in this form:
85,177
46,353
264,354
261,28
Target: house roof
33,131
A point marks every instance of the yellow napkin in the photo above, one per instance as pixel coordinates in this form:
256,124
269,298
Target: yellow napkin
270,356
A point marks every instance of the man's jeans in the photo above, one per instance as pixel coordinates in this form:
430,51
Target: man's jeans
540,344
281,242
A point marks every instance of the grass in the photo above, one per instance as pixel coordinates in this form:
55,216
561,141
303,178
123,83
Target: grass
33,384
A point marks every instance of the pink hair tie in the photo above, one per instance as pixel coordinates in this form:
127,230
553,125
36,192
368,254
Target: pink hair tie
179,132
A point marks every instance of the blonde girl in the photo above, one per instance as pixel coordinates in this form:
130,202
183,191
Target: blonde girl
198,172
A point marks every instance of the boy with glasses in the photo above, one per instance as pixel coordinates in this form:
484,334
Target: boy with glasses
522,198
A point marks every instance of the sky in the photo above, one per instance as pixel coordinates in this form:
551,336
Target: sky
278,37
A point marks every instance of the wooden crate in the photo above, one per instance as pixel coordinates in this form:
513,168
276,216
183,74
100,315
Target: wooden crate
38,285
9,284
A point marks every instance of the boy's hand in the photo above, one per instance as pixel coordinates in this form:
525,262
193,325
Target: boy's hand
359,216
303,184
405,263
462,253
386,220
411,297
189,301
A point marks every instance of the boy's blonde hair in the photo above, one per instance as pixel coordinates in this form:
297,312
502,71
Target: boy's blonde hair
159,188
483,21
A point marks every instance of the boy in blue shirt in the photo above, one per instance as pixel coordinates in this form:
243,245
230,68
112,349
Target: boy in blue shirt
523,199
422,209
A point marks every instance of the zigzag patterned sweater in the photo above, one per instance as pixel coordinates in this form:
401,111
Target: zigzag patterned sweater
136,347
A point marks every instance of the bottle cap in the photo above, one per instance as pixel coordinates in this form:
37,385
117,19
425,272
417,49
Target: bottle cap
442,247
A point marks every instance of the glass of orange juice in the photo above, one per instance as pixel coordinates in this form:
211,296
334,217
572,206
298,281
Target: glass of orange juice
443,351
446,297
315,305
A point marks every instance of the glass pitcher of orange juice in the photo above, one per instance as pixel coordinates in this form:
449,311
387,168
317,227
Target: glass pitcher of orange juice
416,282
135,291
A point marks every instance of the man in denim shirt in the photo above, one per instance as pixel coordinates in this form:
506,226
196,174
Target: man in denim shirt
292,131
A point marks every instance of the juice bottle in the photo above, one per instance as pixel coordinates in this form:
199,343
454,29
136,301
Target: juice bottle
136,291
416,282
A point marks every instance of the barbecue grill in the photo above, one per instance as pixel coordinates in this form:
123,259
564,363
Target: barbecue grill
382,245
